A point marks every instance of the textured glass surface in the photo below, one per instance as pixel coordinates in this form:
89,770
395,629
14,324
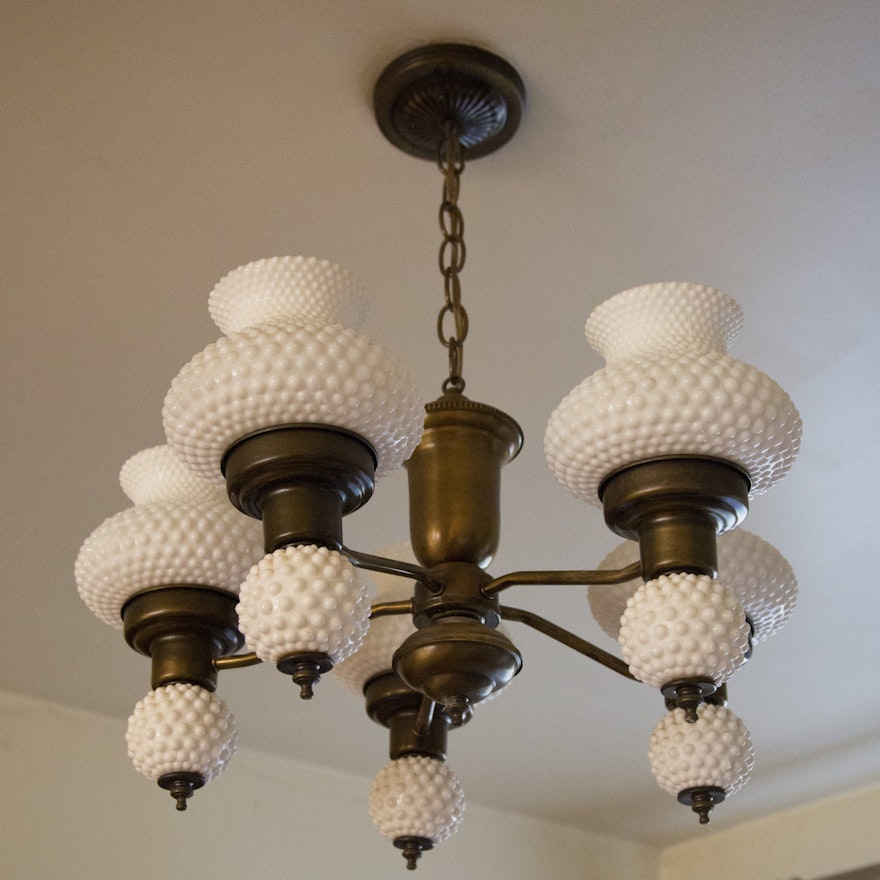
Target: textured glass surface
683,626
181,530
181,727
297,364
416,796
716,751
669,388
304,599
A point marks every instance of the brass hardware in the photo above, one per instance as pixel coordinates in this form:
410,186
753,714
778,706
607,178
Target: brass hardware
306,669
404,712
570,640
688,694
385,565
181,784
300,480
701,800
457,662
413,847
237,661
419,91
183,628
455,480
675,507
601,577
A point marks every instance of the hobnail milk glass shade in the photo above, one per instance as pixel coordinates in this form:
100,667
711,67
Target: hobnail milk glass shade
304,599
754,571
181,728
669,388
715,751
181,530
287,358
416,796
683,626
385,634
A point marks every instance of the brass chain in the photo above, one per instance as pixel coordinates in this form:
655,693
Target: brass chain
450,160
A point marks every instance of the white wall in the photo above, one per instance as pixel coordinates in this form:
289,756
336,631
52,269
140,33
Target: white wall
72,807
812,841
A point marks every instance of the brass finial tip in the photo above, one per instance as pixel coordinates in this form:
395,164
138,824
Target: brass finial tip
412,849
701,800
181,791
458,709
306,691
704,815
181,785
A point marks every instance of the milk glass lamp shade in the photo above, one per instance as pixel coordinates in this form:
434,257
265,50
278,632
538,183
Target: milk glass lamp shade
304,599
683,626
715,752
416,797
385,634
181,530
287,358
755,572
181,729
669,388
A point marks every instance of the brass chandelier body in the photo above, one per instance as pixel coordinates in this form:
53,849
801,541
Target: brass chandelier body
445,103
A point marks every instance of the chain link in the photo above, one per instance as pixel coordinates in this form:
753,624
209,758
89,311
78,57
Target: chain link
450,160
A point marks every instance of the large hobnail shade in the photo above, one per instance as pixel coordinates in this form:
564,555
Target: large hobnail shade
288,359
669,388
181,530
714,752
416,796
754,571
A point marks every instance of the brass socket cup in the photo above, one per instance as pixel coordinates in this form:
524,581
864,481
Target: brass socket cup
455,480
300,480
675,507
183,629
396,706
457,663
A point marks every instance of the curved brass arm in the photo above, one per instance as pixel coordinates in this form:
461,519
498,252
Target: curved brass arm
392,566
236,661
564,578
568,639
384,609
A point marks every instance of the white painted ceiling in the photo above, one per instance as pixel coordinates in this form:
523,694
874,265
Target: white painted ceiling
148,148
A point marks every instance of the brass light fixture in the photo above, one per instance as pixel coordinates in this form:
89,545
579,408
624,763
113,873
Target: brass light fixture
293,417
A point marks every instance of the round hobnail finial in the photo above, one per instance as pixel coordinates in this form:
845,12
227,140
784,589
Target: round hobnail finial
416,797
295,366
181,530
181,729
304,600
754,571
714,752
386,634
669,388
683,626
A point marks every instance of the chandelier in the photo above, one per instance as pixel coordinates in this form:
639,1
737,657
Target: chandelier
292,417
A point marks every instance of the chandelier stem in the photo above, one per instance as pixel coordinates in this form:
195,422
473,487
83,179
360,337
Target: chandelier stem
598,577
570,640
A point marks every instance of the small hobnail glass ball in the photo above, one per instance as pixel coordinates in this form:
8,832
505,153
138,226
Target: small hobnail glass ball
753,570
181,530
716,751
385,634
296,364
683,626
416,796
181,728
669,388
304,599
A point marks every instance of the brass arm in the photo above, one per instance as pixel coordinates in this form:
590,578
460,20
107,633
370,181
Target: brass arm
236,661
568,639
564,578
392,566
384,609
